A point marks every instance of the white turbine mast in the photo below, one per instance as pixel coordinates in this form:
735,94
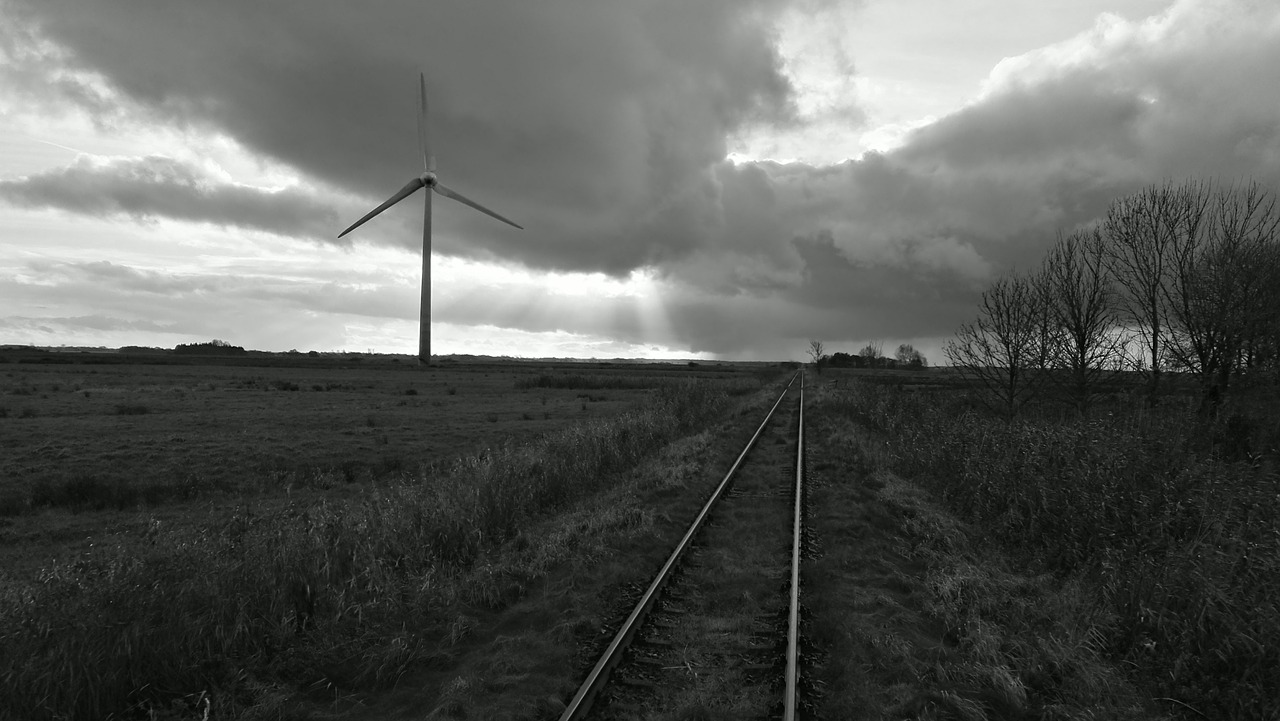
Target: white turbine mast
429,181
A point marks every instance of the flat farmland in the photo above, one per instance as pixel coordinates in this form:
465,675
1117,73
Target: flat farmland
98,449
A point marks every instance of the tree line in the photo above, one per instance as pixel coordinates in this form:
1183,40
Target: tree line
1174,279
213,347
870,356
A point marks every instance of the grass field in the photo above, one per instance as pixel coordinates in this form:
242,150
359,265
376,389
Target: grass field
89,445
170,527
1117,566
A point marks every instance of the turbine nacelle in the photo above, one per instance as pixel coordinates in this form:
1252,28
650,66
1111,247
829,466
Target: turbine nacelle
428,179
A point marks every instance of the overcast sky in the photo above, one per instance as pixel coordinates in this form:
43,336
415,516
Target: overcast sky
718,179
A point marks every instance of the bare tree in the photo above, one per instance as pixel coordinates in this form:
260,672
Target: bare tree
1002,349
1084,337
816,350
1221,294
1142,231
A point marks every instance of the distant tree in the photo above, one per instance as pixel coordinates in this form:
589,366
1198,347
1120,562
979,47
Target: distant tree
909,357
872,354
816,350
214,347
1001,350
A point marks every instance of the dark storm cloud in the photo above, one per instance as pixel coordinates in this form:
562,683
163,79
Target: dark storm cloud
602,127
587,122
157,187
904,241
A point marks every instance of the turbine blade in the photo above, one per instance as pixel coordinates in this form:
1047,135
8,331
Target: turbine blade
424,139
399,196
467,201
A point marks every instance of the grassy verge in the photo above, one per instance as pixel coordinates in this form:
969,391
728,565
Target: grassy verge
916,616
338,595
1182,546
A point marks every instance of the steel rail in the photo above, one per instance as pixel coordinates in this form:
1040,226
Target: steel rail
793,622
581,702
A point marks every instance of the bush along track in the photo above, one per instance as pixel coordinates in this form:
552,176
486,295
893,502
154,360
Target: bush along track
334,596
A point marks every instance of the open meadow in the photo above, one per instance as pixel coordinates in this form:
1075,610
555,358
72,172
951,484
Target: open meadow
174,525
389,541
95,447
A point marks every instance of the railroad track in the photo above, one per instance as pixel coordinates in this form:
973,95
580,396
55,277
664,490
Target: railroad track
718,627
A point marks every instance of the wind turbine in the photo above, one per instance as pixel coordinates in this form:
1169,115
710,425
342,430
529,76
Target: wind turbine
426,180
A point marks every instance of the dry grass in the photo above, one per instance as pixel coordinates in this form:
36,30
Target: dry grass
917,617
338,593
1177,541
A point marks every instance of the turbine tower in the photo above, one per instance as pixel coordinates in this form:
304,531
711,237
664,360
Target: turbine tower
426,180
